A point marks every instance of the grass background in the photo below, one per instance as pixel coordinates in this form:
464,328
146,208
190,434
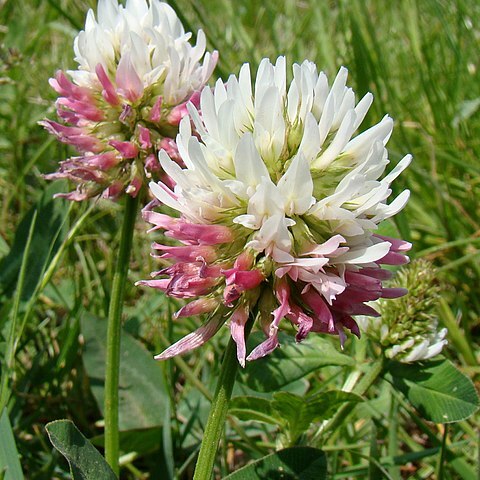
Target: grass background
419,59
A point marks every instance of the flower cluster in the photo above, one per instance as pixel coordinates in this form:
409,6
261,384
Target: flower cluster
278,208
408,329
136,71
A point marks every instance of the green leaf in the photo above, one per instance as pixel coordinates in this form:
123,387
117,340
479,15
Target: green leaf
439,391
324,405
253,408
85,461
291,362
48,234
298,413
296,463
9,462
142,395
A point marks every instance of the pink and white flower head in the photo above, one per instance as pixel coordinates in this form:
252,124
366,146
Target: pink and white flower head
278,208
136,72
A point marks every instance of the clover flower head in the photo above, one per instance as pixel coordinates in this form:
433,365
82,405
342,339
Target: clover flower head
136,72
278,208
408,328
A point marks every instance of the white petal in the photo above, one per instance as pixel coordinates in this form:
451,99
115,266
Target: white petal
162,195
387,211
361,144
310,145
249,167
296,186
399,168
362,108
338,144
363,255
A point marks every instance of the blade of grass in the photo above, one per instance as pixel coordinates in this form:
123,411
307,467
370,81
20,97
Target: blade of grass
8,368
455,334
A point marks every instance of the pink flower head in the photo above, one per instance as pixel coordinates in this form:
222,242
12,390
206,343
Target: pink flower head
136,73
279,203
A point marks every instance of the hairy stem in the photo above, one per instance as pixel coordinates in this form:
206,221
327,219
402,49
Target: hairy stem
113,334
218,411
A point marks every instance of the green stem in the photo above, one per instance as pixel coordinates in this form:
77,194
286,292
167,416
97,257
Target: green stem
218,411
113,334
443,451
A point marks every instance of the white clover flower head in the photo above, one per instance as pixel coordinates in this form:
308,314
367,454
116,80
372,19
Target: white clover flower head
136,72
408,329
294,202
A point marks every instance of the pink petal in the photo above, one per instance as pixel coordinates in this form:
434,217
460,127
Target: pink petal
197,307
363,281
266,347
201,233
378,273
134,187
237,329
109,93
103,161
393,292
351,308
170,147
76,196
113,190
82,108
351,324
160,220
246,279
195,339
398,245
187,253
74,136
161,284
156,111
239,281
127,79
62,85
144,137
195,98
230,294
151,163
59,130
128,115
189,286
245,260
127,149
180,111
176,114
305,325
282,293
320,309
393,258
